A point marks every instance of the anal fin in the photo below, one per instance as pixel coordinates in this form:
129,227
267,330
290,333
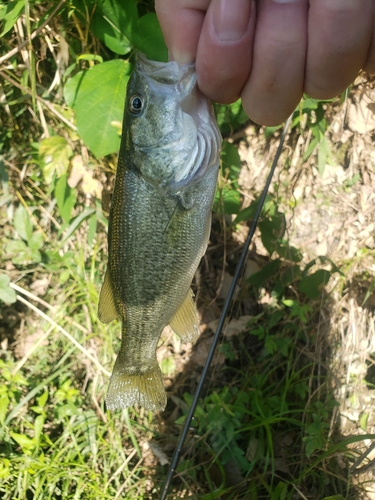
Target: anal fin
107,310
185,321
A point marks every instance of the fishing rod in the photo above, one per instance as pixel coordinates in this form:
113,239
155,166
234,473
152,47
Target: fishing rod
228,301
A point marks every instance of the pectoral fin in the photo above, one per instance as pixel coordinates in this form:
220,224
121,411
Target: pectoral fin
185,321
107,310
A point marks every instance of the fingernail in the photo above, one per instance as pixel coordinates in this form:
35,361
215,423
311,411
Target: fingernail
180,57
231,18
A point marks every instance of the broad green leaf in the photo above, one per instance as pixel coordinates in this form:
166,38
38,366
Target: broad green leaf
119,12
121,16
290,275
13,247
5,466
35,255
55,262
308,104
230,163
271,230
267,271
22,223
36,241
10,14
312,285
98,98
230,117
270,345
72,87
67,410
109,21
117,24
298,310
38,428
66,198
117,43
269,208
42,400
289,252
227,201
311,148
289,302
37,409
7,294
21,254
313,443
148,38
280,491
55,153
247,213
23,440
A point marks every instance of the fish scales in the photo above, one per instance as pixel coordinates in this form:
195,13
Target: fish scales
159,223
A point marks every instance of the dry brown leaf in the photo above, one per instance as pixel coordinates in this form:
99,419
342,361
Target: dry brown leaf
236,326
361,118
79,173
225,285
39,287
201,351
158,452
91,186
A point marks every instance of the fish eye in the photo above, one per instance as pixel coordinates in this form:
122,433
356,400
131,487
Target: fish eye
136,103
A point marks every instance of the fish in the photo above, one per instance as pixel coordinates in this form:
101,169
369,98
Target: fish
159,223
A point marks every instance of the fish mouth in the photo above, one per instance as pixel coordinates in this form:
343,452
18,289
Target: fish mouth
197,121
170,73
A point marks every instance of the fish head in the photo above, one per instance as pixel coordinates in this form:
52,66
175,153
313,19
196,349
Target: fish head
169,133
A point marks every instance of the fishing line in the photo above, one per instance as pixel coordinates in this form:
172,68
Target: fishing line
228,300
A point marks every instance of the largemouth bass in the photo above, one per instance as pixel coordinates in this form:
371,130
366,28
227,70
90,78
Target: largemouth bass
159,223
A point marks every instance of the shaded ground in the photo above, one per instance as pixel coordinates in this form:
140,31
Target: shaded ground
330,214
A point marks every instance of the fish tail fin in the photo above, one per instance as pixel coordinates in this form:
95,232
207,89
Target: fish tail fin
144,389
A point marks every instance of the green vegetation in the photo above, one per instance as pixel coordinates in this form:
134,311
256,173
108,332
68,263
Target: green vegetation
266,427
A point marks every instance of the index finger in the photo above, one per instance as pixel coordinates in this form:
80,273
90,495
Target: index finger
181,22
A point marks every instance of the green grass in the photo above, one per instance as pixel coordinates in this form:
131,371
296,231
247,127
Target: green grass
57,439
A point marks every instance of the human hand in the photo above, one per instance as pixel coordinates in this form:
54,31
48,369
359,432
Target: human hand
271,51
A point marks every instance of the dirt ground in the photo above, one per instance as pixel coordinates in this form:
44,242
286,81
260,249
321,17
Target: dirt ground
330,213
333,215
